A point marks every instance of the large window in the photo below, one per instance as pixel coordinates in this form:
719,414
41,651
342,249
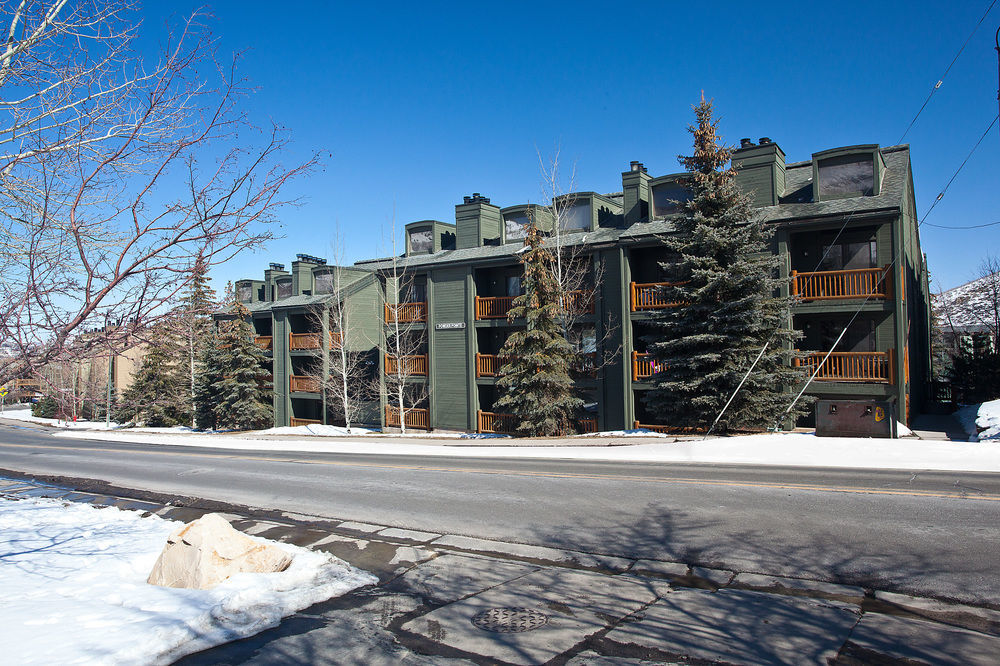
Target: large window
421,241
668,198
324,283
849,252
284,287
576,217
850,175
515,225
514,285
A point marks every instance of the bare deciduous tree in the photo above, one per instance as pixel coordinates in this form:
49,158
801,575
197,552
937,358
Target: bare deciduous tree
405,342
95,145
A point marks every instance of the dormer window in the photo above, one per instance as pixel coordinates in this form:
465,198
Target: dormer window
846,176
284,286
515,226
669,198
421,241
576,217
324,282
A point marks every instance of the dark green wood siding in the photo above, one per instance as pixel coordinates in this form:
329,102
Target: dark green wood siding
449,350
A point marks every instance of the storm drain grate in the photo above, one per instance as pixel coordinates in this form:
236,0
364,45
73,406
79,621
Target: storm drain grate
510,620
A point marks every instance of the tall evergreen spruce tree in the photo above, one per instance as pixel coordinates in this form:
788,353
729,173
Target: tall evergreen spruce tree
157,395
209,373
534,381
238,400
195,318
724,279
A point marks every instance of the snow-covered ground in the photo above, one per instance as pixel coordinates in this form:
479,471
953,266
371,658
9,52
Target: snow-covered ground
74,589
792,449
982,422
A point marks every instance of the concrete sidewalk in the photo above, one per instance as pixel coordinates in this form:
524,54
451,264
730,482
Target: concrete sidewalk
448,598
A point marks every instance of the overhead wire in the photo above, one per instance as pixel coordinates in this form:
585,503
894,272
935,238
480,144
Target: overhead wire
940,81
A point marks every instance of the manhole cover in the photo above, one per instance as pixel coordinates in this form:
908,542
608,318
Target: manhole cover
510,620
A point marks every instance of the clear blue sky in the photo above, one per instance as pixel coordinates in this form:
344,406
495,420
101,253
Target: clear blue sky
416,104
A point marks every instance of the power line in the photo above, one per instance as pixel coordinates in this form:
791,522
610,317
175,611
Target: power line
971,226
959,170
945,75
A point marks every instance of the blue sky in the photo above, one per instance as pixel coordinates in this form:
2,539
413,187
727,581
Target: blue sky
414,105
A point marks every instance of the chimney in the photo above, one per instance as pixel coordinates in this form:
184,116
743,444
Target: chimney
760,170
476,220
635,193
302,278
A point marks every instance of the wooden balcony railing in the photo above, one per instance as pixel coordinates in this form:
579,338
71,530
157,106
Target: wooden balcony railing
26,383
498,307
487,365
871,367
506,424
491,422
303,384
493,307
646,296
263,341
836,285
298,341
643,366
415,417
405,313
580,302
406,365
302,422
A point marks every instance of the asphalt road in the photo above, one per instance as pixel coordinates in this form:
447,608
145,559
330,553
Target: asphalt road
927,533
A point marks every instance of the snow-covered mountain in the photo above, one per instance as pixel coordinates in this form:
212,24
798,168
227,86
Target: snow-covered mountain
971,306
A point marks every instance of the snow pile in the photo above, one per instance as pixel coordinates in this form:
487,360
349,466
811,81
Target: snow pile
25,415
318,430
75,591
632,432
981,421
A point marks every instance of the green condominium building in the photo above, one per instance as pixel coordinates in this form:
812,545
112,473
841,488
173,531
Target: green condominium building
845,232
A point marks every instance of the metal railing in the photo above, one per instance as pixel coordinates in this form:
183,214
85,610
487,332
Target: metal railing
836,285
415,417
850,366
406,313
406,365
647,296
303,384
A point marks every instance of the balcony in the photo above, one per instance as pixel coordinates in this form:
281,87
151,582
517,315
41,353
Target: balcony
646,296
493,307
498,307
405,313
415,418
839,285
406,366
301,341
263,341
644,367
506,424
303,384
868,367
302,422
488,365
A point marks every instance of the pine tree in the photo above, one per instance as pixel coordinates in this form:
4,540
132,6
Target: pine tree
237,398
157,395
534,378
209,373
195,318
724,282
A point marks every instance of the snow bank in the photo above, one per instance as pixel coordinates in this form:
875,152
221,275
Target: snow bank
317,430
981,421
75,591
790,449
25,415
